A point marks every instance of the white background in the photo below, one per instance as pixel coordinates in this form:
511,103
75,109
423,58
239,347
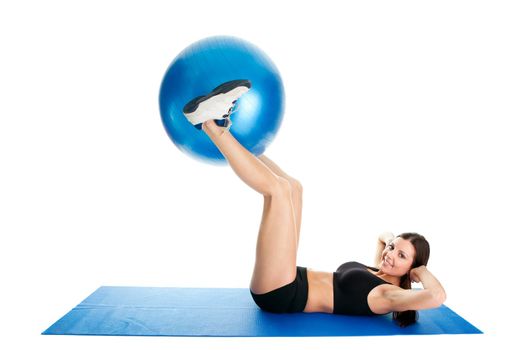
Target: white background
400,116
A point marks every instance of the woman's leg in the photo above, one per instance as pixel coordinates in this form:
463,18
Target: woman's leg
276,252
251,170
297,192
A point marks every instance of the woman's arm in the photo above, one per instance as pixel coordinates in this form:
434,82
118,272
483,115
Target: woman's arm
382,241
432,296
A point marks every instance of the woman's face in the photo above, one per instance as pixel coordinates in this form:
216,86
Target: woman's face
397,257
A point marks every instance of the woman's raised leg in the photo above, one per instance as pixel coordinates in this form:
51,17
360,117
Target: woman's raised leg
297,192
251,170
276,252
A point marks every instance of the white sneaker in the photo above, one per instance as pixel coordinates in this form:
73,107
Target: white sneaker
217,105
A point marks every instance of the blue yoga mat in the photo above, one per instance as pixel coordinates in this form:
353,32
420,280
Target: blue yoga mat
227,312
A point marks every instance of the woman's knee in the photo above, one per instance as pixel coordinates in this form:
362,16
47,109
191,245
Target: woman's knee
286,186
297,187
280,187
294,187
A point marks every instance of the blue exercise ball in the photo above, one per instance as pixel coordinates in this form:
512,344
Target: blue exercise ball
202,66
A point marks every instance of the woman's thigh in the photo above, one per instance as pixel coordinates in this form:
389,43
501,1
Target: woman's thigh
276,252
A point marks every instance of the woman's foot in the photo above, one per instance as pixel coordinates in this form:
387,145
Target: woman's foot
217,105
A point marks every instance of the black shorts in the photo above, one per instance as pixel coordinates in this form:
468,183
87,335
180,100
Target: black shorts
288,298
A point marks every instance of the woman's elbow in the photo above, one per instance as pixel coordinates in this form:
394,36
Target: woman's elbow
439,297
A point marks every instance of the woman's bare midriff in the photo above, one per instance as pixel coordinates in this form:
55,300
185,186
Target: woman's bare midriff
320,291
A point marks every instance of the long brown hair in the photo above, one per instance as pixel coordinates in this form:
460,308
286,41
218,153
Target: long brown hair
405,318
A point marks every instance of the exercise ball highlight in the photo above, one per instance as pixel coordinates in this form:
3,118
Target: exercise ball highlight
201,67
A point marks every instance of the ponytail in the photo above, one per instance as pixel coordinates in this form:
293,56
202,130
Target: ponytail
408,317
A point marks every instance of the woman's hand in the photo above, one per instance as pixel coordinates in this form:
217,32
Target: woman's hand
386,237
415,273
429,282
382,240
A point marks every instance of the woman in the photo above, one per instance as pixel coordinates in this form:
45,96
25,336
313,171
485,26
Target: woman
278,284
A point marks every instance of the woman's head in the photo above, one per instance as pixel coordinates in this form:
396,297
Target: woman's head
403,253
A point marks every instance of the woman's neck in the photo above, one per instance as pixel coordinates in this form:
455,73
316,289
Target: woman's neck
395,280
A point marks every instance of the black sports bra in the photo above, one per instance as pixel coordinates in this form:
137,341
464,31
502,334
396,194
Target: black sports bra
352,283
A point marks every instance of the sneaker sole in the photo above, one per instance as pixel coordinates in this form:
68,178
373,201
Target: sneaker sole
224,88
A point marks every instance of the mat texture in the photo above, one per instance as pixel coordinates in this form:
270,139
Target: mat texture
227,312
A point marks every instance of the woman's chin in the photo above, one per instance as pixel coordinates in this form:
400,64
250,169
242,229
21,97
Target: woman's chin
384,267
